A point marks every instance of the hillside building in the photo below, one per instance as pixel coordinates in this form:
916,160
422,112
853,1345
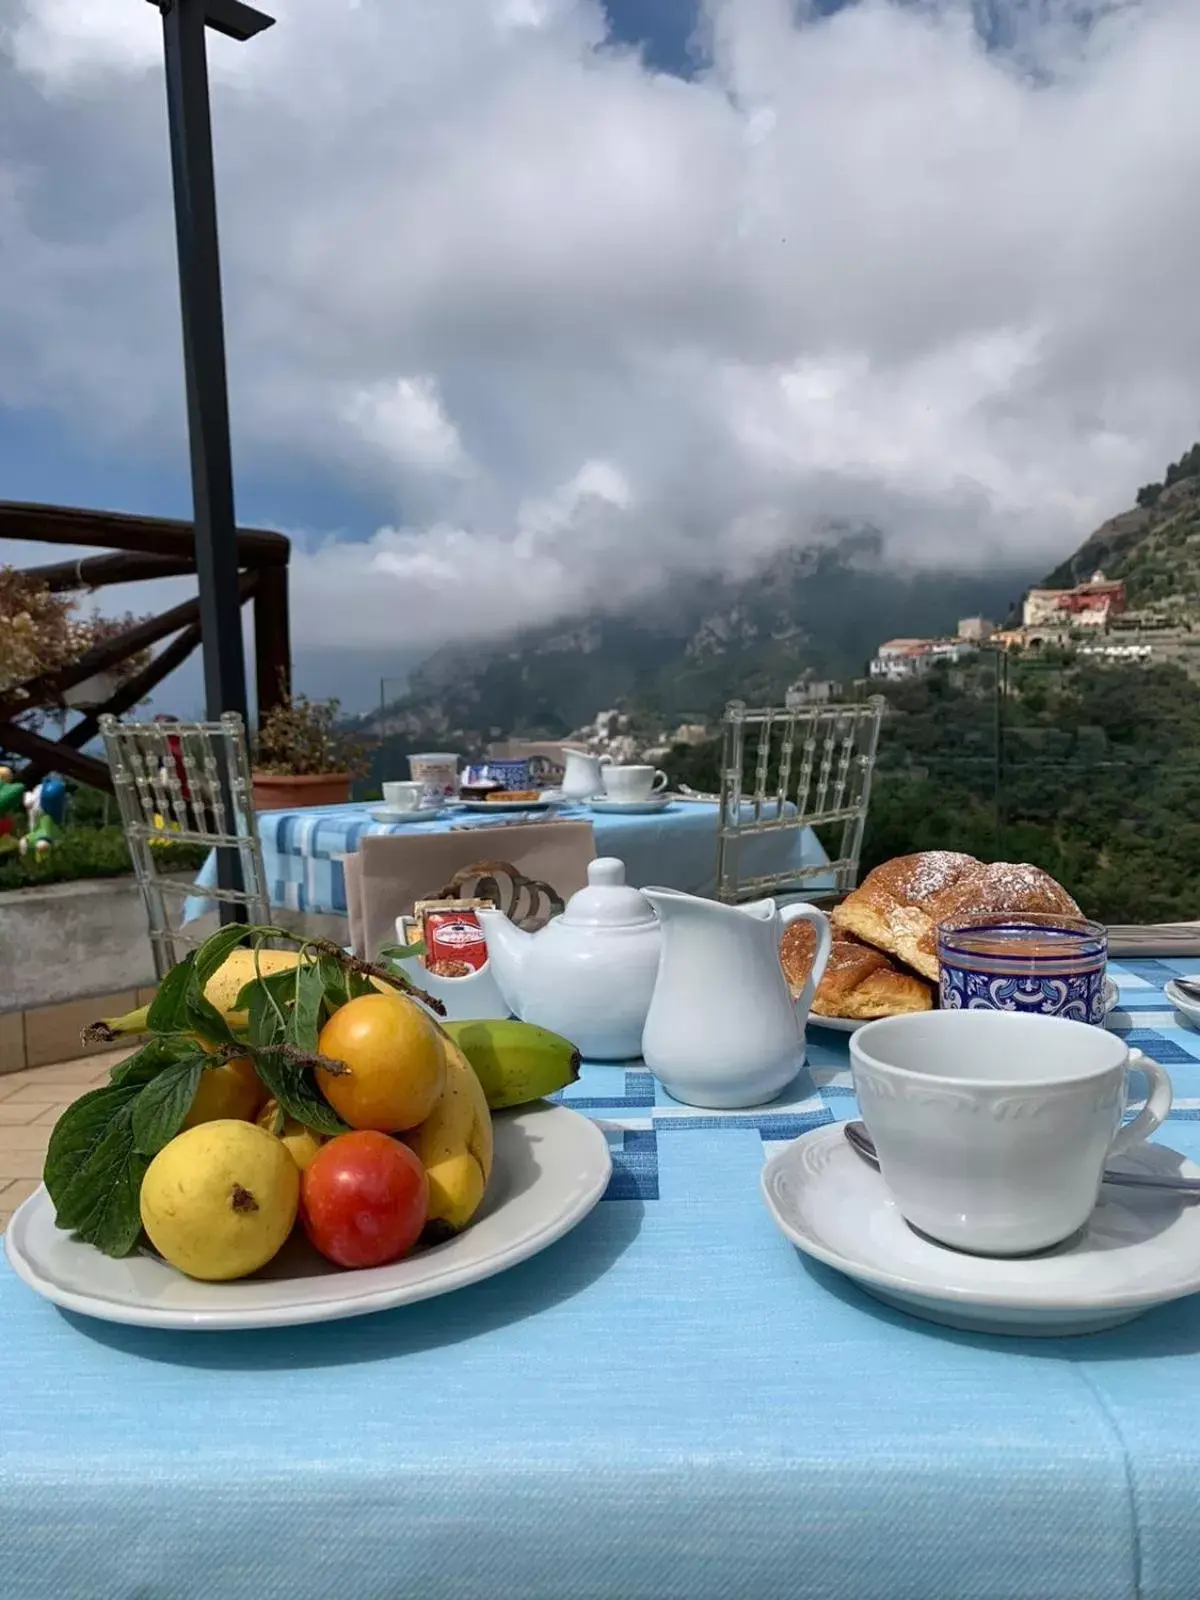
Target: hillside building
1087,605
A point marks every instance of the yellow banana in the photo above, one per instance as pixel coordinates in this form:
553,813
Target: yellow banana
454,1144
110,1029
515,1061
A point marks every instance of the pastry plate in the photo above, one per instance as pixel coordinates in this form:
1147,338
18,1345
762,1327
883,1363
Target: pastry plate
853,1024
551,1167
391,815
630,808
1140,1249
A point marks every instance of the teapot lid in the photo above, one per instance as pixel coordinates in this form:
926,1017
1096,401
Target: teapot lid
608,901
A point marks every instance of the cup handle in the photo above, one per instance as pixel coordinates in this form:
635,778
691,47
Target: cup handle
604,761
659,786
1153,1114
801,912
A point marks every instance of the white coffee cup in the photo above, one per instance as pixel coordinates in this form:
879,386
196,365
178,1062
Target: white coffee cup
632,783
404,796
993,1129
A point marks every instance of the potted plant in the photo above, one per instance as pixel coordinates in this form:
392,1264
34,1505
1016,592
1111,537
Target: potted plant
301,757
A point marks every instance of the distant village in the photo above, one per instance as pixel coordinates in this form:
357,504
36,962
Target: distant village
1093,619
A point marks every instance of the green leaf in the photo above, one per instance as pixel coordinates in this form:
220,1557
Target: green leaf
160,1109
169,1009
152,1058
267,1018
204,1019
333,982
295,1088
93,1171
358,984
213,953
304,1023
401,952
278,984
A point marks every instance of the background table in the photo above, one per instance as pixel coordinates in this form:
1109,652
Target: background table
676,848
669,1403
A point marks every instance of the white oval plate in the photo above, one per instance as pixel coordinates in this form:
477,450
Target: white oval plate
506,805
551,1167
1140,1249
853,1024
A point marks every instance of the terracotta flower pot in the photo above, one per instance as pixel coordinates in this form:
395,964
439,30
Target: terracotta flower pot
280,792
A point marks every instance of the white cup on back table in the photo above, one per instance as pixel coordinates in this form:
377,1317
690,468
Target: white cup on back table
632,783
404,796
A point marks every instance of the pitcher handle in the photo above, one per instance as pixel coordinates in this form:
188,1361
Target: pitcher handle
801,912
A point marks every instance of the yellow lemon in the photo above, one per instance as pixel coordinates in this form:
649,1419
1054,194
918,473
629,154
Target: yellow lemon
395,1060
230,1091
219,1201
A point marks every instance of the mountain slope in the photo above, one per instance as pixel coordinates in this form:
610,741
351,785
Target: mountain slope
1155,548
685,653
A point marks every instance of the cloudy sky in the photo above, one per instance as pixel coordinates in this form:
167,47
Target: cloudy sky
531,302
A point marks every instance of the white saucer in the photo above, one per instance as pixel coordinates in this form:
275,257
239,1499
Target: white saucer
391,814
1189,1008
853,1024
1141,1249
630,808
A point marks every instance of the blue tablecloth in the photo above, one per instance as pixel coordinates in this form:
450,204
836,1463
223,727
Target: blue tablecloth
676,848
669,1403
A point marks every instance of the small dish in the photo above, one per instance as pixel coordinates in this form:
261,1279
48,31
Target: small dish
1183,1003
502,806
629,808
1140,1249
391,815
853,1024
551,1167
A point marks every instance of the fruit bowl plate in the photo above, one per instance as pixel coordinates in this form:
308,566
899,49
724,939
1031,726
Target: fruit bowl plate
551,1167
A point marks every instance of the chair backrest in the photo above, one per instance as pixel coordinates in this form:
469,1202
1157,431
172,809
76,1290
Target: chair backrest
783,771
186,783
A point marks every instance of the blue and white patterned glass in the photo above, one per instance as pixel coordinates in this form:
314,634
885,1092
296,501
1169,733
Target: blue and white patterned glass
1042,963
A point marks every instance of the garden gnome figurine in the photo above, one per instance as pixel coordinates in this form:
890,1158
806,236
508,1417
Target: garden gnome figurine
47,807
12,801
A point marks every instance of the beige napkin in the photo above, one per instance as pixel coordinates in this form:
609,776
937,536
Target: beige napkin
392,871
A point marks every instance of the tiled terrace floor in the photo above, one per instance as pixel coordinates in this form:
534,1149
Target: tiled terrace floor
30,1104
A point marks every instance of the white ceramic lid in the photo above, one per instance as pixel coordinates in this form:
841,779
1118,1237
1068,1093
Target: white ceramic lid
608,901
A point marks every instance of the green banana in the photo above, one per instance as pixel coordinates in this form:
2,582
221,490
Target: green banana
514,1061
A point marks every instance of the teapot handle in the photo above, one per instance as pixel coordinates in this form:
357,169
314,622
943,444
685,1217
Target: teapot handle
800,912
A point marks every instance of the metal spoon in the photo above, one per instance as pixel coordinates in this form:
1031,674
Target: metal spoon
862,1143
1189,987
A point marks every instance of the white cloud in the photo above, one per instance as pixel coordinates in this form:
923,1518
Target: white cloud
585,323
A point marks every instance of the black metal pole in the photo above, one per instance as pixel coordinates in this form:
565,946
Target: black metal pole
184,24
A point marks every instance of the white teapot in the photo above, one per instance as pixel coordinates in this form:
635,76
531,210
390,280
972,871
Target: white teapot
588,974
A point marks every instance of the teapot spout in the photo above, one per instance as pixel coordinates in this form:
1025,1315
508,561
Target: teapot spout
507,947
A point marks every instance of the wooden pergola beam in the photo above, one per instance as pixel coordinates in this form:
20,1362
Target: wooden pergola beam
127,696
97,572
49,686
54,757
163,536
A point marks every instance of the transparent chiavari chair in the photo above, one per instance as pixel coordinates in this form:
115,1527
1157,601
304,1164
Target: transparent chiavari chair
784,771
187,782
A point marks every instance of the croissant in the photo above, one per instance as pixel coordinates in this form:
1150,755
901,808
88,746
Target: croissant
898,907
858,982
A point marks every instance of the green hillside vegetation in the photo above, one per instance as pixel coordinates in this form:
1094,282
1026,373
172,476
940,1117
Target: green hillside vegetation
1099,779
1155,548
